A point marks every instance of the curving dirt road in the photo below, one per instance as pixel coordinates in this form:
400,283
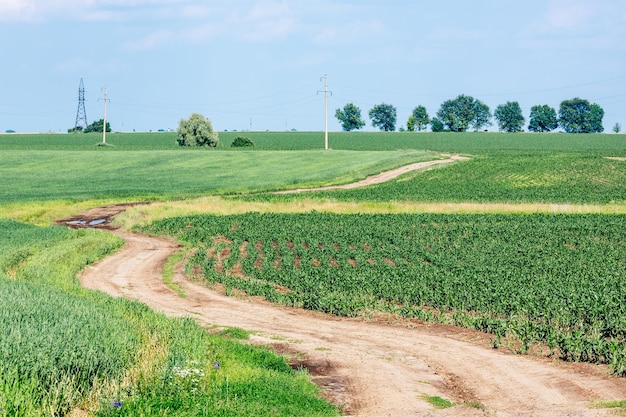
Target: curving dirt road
373,368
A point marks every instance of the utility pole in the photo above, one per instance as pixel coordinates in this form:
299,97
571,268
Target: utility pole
326,92
104,125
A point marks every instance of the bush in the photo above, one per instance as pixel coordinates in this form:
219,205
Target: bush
196,130
241,142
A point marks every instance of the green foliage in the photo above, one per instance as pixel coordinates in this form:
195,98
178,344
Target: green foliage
97,126
579,116
197,130
383,116
542,119
436,125
438,402
617,128
418,120
350,117
554,279
242,142
509,116
458,114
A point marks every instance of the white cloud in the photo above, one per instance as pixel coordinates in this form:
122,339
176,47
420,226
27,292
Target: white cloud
267,21
576,24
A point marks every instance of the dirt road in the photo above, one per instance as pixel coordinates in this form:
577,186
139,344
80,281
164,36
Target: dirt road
374,369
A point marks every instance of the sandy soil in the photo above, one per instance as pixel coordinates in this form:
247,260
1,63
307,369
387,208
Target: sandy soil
376,368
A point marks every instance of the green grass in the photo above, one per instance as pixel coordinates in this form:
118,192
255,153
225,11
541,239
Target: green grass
438,402
500,177
65,348
80,175
469,142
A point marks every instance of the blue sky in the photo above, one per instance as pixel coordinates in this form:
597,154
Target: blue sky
248,64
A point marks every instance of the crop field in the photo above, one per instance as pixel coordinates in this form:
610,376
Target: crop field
505,177
554,279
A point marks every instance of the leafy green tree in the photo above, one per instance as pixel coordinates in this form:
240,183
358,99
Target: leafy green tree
579,116
436,125
418,120
383,116
350,117
97,126
196,130
462,112
542,119
509,117
482,115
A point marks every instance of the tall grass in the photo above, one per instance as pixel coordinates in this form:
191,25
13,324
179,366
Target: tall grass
64,348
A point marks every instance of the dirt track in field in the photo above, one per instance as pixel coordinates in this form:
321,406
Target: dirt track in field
374,368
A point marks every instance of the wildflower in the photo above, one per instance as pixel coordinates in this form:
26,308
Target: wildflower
116,404
216,365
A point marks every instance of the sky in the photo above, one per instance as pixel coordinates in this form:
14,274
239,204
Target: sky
260,64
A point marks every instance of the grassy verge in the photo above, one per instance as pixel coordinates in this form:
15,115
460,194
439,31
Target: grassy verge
66,349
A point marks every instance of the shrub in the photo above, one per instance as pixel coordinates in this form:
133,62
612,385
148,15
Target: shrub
241,142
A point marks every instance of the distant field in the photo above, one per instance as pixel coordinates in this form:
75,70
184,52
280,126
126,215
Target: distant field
508,168
469,142
44,175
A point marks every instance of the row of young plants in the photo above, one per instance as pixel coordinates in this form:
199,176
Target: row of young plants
556,280
65,349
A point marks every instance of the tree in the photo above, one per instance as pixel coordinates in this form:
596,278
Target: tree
97,126
462,112
383,116
482,115
578,116
350,117
509,117
617,128
196,130
542,119
418,120
436,125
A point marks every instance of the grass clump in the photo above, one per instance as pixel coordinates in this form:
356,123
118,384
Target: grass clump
438,402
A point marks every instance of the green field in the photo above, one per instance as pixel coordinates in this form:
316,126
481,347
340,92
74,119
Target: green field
533,279
554,279
64,347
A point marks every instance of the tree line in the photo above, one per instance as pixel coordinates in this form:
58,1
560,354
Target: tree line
465,112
